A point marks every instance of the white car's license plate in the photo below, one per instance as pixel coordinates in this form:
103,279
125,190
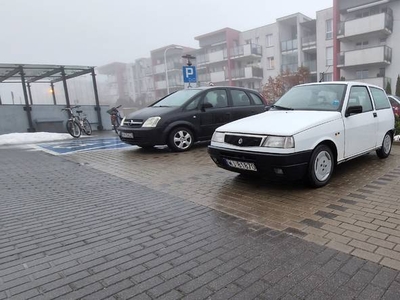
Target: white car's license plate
127,134
241,165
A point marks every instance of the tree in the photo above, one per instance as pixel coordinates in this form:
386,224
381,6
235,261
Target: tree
398,86
388,88
279,85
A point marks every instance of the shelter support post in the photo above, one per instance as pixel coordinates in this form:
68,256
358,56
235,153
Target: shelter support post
64,80
53,93
27,107
96,97
30,93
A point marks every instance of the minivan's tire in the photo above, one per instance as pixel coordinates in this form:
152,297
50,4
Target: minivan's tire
384,151
321,166
180,139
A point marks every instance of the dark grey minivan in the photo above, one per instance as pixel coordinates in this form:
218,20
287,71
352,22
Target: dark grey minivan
188,116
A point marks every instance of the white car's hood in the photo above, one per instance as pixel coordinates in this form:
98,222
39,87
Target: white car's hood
280,122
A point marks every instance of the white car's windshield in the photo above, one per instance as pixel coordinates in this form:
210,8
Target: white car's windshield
178,98
325,97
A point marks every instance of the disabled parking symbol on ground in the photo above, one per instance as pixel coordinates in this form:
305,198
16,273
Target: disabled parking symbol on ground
82,145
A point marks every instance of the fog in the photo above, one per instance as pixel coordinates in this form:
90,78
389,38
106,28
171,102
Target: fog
97,32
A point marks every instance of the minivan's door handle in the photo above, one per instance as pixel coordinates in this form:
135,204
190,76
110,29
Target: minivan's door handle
375,114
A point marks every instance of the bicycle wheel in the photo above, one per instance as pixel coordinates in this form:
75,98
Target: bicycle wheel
73,128
86,127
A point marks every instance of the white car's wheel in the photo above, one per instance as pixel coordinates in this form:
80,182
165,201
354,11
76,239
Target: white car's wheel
321,166
384,151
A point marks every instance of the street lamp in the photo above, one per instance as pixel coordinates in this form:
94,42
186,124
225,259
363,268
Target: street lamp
165,63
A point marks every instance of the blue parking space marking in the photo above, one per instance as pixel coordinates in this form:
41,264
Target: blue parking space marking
81,145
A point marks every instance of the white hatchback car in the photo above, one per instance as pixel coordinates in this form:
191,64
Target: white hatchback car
308,131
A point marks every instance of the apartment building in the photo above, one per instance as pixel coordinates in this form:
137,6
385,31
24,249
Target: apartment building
119,81
143,81
353,40
224,58
366,34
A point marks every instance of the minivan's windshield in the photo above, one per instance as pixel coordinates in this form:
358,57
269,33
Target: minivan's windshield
178,98
325,97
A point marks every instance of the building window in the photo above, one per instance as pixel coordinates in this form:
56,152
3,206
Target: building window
328,77
329,56
257,40
362,74
247,42
270,63
361,45
269,40
329,29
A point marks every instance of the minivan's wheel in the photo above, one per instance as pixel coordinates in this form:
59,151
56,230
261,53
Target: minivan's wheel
180,139
321,166
384,151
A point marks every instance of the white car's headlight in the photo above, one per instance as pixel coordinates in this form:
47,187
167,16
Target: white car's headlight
218,137
279,142
151,122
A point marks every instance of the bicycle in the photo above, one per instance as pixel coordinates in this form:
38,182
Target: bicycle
115,117
77,123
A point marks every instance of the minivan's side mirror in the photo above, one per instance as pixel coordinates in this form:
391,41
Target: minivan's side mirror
352,110
206,105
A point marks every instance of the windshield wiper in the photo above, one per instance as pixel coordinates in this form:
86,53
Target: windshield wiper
282,107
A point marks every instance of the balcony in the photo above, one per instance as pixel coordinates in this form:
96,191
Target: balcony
248,50
292,68
217,76
204,78
290,45
309,43
379,81
311,65
172,65
379,24
245,73
160,85
378,55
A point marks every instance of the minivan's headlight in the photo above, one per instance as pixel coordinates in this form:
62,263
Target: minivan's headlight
279,142
218,137
151,122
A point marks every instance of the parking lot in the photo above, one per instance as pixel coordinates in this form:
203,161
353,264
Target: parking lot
126,223
357,213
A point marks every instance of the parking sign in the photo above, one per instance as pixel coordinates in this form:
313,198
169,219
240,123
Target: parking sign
189,74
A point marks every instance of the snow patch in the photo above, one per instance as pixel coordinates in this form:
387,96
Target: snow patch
32,138
397,138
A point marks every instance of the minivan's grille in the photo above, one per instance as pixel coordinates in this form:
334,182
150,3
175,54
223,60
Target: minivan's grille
243,141
133,123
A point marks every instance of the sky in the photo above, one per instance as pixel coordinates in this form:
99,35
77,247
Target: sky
97,32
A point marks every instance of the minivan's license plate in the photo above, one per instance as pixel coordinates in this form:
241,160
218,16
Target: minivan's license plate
241,165
127,135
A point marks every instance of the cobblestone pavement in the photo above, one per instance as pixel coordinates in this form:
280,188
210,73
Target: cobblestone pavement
357,213
71,231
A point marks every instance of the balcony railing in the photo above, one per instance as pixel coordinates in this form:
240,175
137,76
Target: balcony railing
245,73
311,65
378,55
310,40
289,68
289,45
378,22
246,50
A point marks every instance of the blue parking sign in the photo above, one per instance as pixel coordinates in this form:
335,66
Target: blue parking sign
189,74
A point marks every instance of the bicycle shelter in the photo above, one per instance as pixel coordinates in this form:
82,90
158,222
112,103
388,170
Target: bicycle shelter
27,74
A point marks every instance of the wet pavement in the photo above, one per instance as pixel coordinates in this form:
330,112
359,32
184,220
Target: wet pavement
135,224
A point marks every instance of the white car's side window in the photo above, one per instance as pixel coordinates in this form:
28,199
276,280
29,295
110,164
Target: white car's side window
359,96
